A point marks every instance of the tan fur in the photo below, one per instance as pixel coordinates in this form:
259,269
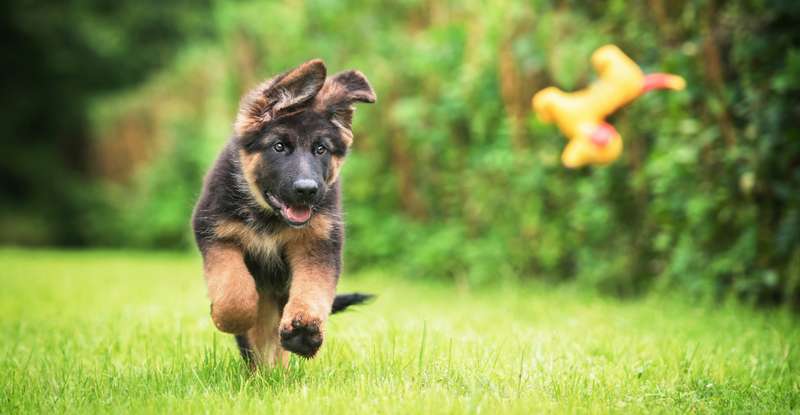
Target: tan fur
264,338
332,90
261,244
312,291
231,289
252,114
347,134
250,163
336,166
267,100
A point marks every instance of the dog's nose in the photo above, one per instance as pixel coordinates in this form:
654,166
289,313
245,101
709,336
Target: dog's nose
306,188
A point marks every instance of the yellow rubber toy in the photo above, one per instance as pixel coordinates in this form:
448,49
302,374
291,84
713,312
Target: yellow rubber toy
581,115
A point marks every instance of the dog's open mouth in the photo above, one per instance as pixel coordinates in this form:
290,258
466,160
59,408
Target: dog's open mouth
295,216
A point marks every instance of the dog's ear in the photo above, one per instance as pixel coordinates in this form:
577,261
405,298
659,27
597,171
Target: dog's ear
339,94
279,95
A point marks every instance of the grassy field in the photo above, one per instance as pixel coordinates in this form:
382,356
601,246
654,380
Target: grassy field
129,332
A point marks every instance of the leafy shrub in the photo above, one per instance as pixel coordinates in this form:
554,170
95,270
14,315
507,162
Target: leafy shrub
452,177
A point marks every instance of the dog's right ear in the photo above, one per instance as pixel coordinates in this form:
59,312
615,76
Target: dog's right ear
279,95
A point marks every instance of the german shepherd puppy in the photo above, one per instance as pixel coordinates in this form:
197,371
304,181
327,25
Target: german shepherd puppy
268,223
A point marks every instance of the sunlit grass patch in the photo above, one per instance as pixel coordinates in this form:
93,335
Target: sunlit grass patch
129,332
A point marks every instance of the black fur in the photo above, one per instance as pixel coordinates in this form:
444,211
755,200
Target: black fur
245,349
342,301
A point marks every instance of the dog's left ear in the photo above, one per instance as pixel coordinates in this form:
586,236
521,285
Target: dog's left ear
340,92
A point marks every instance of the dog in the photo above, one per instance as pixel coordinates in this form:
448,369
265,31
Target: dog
268,223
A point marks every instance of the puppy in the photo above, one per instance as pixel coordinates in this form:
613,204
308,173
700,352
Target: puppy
268,223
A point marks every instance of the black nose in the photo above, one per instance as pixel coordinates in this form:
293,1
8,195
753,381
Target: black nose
306,188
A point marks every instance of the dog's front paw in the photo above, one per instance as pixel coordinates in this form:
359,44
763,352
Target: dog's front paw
301,335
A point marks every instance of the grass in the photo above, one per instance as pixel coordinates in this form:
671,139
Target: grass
129,332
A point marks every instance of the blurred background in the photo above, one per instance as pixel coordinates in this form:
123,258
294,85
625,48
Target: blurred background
113,111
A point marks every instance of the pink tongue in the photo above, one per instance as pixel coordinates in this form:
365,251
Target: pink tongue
298,214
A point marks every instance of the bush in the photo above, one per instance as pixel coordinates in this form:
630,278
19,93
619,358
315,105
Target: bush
452,177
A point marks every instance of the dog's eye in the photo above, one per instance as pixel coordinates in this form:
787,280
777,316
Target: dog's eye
279,147
320,149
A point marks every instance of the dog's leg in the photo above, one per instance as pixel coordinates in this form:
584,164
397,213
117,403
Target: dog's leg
311,294
231,289
263,337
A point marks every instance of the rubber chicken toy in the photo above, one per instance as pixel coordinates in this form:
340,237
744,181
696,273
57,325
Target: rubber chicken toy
580,115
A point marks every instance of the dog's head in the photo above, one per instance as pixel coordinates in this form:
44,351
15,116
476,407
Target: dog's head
293,133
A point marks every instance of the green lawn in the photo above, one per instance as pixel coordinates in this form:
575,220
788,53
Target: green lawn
129,332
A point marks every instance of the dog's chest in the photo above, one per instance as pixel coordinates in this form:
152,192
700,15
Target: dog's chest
270,270
264,253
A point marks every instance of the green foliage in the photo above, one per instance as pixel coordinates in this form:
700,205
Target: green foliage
118,332
452,177
59,56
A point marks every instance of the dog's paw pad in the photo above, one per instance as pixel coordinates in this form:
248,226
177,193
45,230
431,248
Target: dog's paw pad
302,339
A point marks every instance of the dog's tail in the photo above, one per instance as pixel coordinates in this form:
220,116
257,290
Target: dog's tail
342,301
